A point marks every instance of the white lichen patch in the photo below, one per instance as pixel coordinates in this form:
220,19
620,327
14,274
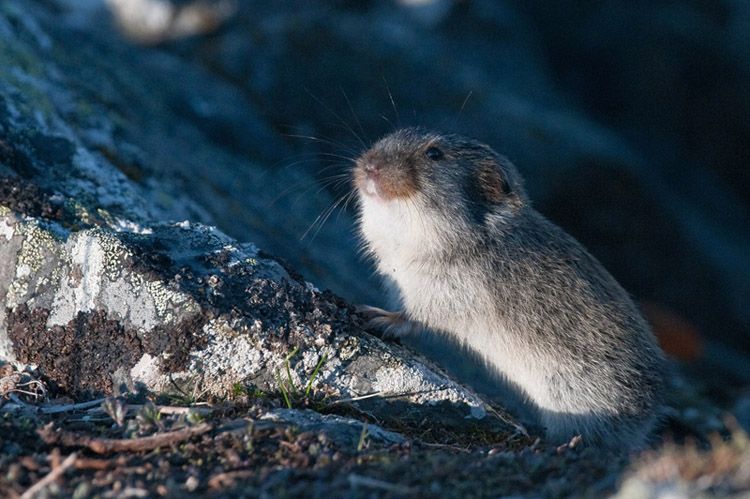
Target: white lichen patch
171,306
39,247
129,301
113,251
96,277
146,371
88,255
122,225
6,230
86,259
229,357
423,386
22,271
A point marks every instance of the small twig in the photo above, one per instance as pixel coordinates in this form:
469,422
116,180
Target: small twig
24,392
133,492
12,407
53,475
55,409
89,420
33,382
89,463
507,420
229,478
172,409
107,445
355,399
164,409
390,395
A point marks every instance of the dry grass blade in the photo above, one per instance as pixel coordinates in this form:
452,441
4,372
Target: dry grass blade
56,409
108,446
54,474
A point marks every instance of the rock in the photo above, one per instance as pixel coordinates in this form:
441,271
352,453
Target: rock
109,113
154,21
107,148
102,308
346,432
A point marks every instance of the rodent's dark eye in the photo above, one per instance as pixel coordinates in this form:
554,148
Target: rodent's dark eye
434,153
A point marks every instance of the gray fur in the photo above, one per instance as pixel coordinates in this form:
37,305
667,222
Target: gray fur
515,288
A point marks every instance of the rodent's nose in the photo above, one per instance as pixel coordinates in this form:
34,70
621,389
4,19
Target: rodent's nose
371,167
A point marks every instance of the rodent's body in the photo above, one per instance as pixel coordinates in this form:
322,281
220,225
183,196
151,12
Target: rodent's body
515,288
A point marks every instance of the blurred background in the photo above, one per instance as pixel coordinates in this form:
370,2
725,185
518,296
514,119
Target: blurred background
629,120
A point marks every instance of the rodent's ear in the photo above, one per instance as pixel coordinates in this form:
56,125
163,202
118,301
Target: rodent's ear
492,185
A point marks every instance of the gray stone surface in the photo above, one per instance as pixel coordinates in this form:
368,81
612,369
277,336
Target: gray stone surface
346,431
183,306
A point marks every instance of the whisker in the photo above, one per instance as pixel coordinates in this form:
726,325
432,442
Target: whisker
333,183
325,181
456,120
354,115
322,140
393,127
309,156
393,101
463,105
341,120
339,156
349,197
321,219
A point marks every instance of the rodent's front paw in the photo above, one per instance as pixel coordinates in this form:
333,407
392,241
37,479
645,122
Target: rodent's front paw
385,324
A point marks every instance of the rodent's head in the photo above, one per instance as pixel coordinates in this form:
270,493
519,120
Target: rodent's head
448,173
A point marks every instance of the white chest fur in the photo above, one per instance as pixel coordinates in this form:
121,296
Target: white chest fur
404,240
395,233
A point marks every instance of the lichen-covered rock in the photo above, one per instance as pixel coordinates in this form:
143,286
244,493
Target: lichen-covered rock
183,306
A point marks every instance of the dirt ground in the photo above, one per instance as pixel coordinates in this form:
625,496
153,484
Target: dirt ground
184,448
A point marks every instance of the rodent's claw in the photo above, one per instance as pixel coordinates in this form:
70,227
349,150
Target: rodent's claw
385,324
370,311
